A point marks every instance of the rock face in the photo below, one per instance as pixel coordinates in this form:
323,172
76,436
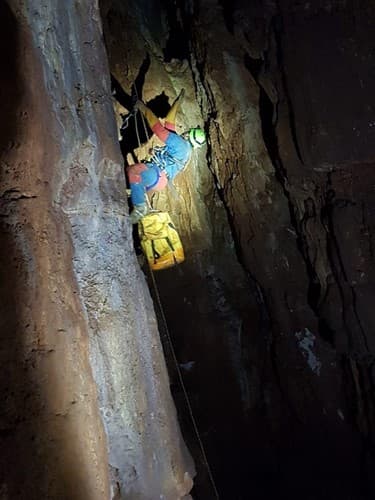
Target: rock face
271,313
87,412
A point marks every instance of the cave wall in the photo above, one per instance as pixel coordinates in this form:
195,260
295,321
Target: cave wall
307,237
208,300
273,304
87,412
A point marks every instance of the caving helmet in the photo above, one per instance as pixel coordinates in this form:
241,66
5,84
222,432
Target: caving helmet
197,137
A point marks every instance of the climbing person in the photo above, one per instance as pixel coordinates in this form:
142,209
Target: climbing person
166,162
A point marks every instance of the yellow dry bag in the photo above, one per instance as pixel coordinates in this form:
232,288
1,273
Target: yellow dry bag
160,241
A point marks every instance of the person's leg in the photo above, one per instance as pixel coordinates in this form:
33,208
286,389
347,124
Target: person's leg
142,177
151,118
170,119
162,132
156,126
137,186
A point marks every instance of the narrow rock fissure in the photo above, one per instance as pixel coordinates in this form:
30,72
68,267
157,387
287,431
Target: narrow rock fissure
268,116
356,349
277,28
177,46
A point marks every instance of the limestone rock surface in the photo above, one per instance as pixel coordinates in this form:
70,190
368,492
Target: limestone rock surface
87,411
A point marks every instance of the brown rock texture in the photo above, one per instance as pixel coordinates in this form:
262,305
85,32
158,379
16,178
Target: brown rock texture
271,313
86,408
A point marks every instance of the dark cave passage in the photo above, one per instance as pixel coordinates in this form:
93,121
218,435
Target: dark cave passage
177,45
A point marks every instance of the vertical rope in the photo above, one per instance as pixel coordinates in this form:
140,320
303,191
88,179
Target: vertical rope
145,127
136,128
188,404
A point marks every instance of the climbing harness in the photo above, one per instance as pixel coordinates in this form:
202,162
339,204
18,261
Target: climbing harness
169,236
161,156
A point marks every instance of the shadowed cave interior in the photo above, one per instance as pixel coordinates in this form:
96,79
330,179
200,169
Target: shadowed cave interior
271,314
254,333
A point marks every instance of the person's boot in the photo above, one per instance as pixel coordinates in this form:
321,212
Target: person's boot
138,212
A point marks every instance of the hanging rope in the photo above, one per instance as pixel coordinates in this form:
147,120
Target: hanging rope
169,338
188,404
145,127
136,129
143,119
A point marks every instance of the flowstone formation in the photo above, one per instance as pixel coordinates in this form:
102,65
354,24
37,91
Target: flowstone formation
271,312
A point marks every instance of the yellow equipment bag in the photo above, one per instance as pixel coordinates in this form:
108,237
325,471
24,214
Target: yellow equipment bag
160,241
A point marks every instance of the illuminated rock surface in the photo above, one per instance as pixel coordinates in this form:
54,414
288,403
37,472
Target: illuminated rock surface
271,314
87,412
